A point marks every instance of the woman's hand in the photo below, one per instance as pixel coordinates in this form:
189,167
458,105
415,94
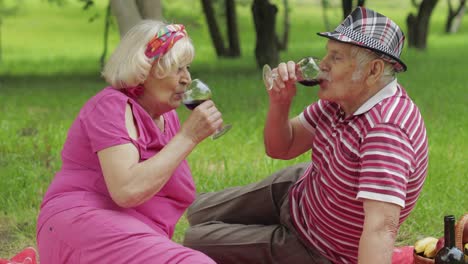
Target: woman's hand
284,85
204,120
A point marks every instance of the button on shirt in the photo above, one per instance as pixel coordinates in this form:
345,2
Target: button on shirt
379,153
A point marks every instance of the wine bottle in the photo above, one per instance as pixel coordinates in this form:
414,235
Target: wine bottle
449,254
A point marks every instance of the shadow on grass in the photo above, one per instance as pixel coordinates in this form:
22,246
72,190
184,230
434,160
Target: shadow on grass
48,78
40,80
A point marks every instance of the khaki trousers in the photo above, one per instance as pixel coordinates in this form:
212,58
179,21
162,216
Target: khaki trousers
250,224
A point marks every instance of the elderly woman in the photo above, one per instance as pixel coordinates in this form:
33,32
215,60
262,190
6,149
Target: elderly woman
125,181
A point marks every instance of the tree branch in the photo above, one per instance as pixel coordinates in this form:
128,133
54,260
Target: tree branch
127,14
415,4
461,6
283,43
106,33
150,9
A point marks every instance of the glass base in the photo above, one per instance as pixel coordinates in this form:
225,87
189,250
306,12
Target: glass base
267,77
221,131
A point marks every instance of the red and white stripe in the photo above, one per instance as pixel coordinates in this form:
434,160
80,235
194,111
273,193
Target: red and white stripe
379,154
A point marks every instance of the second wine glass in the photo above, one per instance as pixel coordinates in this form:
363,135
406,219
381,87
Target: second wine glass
197,93
307,72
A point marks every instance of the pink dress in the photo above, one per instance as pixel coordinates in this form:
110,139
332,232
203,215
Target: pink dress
79,222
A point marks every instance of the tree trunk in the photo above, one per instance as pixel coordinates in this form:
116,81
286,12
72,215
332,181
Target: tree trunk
454,17
127,14
411,23
347,7
1,48
457,20
283,43
215,34
266,47
150,9
326,22
233,34
418,26
130,12
106,34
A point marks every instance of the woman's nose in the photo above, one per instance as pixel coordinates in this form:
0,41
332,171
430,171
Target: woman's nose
186,81
186,77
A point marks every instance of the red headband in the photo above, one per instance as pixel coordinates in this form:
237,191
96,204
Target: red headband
163,41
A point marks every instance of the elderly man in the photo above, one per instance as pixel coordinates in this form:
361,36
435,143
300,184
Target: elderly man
369,162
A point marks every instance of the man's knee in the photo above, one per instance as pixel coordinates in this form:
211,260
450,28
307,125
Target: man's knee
193,214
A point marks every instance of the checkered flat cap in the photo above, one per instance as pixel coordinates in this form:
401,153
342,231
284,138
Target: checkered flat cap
371,30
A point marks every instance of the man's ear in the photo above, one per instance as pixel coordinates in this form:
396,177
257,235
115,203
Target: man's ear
375,71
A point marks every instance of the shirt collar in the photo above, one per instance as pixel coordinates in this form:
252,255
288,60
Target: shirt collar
388,91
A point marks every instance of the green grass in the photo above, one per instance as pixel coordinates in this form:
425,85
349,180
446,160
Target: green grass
50,68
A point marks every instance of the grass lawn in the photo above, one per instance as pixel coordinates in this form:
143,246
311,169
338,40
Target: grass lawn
50,68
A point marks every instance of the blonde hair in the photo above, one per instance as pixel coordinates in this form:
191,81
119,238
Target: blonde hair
128,65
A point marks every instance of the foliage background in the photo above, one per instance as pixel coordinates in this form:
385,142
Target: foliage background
51,67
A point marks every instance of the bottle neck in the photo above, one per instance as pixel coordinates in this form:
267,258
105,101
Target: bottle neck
449,231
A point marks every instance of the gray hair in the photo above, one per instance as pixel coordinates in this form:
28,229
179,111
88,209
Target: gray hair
128,66
364,56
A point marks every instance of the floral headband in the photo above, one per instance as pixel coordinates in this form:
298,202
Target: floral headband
163,41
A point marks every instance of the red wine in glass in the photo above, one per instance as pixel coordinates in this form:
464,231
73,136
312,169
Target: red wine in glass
309,82
307,73
197,93
193,103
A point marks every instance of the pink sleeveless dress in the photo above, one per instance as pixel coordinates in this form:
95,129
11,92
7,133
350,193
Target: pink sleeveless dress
79,222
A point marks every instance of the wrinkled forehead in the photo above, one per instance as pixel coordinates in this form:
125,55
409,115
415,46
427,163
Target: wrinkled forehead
338,46
334,46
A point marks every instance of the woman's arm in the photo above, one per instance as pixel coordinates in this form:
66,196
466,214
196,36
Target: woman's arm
130,182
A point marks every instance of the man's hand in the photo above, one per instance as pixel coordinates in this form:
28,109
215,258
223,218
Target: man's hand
284,84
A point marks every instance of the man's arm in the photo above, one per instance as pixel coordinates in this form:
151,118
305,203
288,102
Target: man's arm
286,139
379,233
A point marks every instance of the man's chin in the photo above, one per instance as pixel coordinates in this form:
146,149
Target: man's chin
322,94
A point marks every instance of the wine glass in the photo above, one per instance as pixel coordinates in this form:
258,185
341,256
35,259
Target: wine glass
307,73
197,93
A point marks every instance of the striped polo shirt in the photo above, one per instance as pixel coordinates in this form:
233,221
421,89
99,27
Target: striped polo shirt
379,153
